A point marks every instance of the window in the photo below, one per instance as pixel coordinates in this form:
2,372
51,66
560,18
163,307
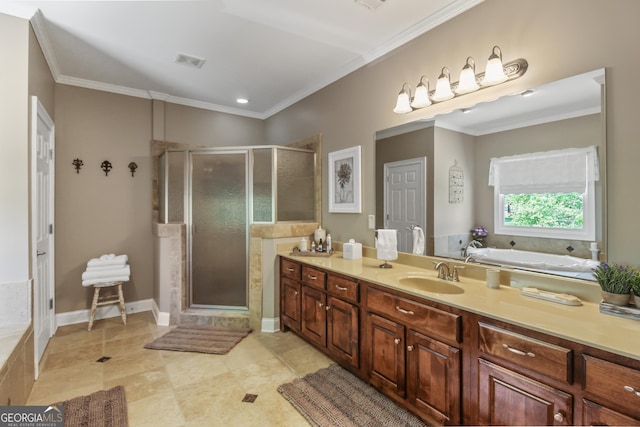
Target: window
549,194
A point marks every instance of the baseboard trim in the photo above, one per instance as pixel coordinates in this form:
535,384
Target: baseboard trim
270,324
104,312
162,317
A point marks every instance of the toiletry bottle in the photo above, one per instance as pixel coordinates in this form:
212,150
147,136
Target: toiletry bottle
328,244
320,248
313,246
303,245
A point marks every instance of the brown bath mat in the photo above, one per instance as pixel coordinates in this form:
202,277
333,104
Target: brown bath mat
100,409
200,339
333,396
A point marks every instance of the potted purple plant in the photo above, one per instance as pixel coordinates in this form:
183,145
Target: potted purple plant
615,282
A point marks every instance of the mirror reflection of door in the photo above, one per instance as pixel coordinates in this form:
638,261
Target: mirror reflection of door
405,198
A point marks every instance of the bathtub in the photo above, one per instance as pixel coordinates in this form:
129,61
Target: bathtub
529,260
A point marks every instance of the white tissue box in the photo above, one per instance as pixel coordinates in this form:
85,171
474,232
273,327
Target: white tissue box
352,250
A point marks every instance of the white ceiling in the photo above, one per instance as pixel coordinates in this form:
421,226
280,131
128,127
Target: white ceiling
272,52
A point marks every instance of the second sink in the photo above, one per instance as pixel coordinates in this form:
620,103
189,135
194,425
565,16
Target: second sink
428,284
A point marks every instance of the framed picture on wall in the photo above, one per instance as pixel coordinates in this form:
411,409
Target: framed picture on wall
345,192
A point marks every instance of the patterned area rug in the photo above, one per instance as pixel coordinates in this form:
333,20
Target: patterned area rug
200,339
105,408
333,396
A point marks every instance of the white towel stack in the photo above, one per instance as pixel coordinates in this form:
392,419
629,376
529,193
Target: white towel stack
387,244
106,269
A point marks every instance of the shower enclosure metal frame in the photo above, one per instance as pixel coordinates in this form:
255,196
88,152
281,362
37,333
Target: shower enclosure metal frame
248,151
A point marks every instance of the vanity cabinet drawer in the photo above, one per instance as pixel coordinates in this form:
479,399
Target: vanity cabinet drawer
290,269
547,359
314,278
429,320
613,383
342,288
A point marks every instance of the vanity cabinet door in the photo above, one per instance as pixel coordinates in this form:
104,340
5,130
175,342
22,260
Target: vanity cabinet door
290,305
314,315
433,378
508,398
594,414
386,354
342,331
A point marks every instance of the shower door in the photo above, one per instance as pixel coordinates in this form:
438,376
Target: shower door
219,229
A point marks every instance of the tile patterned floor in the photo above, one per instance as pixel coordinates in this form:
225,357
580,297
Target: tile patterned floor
168,388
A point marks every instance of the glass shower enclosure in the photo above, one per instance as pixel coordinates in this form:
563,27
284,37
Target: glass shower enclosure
218,194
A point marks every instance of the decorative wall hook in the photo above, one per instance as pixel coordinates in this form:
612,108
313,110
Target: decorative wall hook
132,167
77,164
106,167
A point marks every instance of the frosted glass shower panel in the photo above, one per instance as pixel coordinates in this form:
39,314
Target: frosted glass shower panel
175,183
263,185
295,185
219,230
162,188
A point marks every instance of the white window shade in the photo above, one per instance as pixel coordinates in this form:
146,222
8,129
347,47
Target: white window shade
567,170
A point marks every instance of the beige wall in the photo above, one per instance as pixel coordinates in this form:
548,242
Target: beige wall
559,39
98,214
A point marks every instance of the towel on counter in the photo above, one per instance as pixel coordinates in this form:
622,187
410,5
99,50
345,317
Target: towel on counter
387,244
418,240
116,271
107,260
105,281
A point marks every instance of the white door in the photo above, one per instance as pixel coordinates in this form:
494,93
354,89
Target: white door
405,199
42,193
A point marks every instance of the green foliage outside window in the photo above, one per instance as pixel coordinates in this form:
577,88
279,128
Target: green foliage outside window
548,210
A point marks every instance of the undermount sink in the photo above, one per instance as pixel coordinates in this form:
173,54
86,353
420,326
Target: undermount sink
428,284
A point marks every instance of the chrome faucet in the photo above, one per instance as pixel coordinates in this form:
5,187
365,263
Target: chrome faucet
446,273
443,270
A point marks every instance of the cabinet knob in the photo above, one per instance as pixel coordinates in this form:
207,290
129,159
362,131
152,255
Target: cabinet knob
291,269
312,277
295,293
320,304
558,416
327,308
397,341
403,311
409,348
341,288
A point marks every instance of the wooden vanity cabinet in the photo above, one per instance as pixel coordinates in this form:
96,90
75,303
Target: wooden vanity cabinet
450,366
409,354
326,307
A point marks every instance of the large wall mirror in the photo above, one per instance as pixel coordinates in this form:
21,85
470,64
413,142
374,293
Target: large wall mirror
445,162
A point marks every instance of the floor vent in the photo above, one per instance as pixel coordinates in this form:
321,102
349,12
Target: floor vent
103,359
190,60
250,398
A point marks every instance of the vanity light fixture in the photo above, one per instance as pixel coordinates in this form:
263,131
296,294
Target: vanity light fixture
421,98
467,82
495,73
403,105
443,87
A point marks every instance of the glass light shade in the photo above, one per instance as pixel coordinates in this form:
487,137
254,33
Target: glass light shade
467,82
495,71
443,87
421,98
403,104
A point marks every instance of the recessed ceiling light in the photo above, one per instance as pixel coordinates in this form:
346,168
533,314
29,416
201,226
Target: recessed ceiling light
242,101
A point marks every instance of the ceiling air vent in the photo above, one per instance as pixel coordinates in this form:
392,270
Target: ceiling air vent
190,60
370,4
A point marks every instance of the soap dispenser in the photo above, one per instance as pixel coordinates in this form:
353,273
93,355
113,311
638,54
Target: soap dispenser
319,234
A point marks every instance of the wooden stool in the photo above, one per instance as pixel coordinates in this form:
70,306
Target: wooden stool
110,299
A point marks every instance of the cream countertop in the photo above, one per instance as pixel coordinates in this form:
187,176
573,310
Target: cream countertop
583,324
